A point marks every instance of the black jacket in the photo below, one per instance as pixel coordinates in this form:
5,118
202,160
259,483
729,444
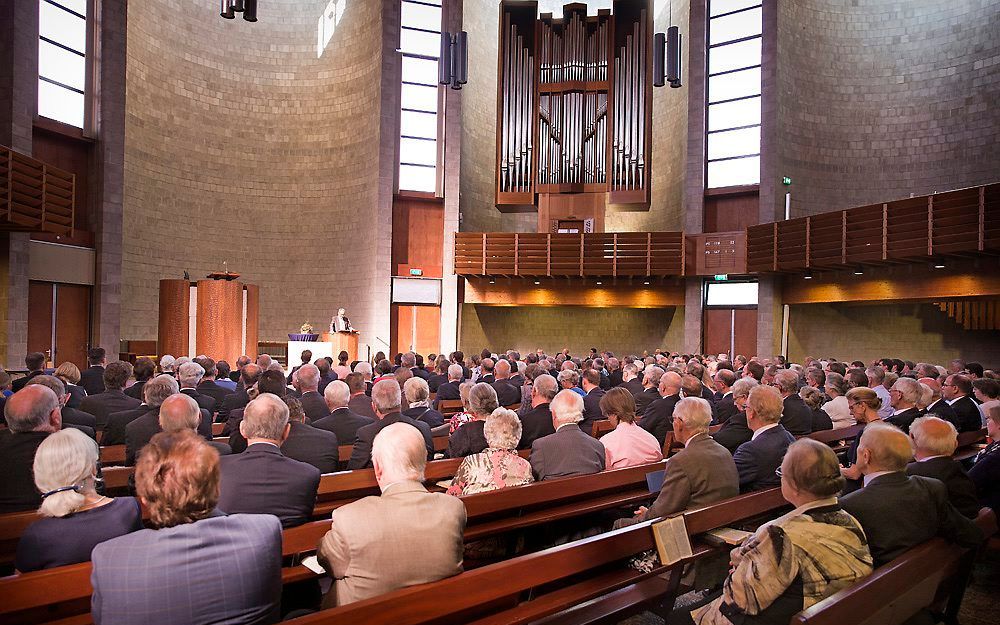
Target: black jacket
344,423
312,446
723,409
104,404
905,418
757,459
592,408
448,390
961,489
216,392
361,455
236,400
467,440
734,432
796,416
205,402
261,480
92,379
429,416
535,423
17,456
644,399
507,393
314,405
821,421
658,419
114,430
967,415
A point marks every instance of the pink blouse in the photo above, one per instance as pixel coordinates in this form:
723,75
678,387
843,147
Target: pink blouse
630,445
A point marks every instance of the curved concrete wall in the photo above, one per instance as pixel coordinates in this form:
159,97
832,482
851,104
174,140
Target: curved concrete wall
879,99
243,146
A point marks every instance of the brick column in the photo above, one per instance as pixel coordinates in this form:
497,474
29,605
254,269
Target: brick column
769,307
452,171
692,315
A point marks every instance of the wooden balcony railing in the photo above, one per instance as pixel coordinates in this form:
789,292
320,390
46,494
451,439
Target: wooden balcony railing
35,197
966,221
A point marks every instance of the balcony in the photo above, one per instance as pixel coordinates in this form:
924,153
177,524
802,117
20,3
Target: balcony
35,197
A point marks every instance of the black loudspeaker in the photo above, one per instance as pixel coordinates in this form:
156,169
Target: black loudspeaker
444,59
226,9
674,56
249,10
659,51
238,6
460,60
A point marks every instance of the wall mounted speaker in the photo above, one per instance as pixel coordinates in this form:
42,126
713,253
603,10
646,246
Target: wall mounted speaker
659,53
250,10
444,59
674,57
226,8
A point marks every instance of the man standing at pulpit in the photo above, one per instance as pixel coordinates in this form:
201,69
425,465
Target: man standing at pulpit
341,323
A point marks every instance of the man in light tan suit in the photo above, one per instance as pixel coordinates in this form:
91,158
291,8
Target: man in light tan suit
700,474
405,537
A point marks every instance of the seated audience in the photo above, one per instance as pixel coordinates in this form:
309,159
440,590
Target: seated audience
536,422
934,442
957,391
449,389
167,363
180,412
32,414
75,517
836,389
904,395
92,379
508,393
385,403
813,399
631,381
35,364
650,389
898,511
404,537
341,369
195,566
569,451
658,414
628,444
470,439
591,381
876,382
224,376
985,473
306,382
757,459
417,394
307,443
498,466
142,371
937,406
463,416
361,398
270,381
724,407
987,391
796,417
208,385
798,559
734,432
69,374
702,473
262,480
341,421
71,417
113,399
440,375
238,400
189,375
143,428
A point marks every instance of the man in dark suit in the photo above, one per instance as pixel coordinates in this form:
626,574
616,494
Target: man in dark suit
92,378
450,389
113,399
35,363
898,511
757,459
143,370
650,390
188,376
32,414
341,421
486,376
934,443
326,374
724,407
360,403
239,399
657,417
114,430
386,400
536,422
306,356
143,428
569,451
262,480
796,416
311,445
615,373
208,385
409,361
957,391
439,378
631,380
591,383
938,406
507,393
903,396
306,381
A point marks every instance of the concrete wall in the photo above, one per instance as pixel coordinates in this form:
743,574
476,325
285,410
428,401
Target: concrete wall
243,146
918,332
479,118
879,99
552,328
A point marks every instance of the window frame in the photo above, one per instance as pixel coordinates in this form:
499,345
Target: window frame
406,107
90,58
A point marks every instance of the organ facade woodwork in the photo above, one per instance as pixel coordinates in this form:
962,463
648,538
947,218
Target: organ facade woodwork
573,115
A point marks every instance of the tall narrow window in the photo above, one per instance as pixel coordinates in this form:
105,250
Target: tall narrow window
734,62
419,42
62,60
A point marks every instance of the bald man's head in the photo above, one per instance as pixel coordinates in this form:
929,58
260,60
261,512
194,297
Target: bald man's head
179,412
670,384
35,408
886,448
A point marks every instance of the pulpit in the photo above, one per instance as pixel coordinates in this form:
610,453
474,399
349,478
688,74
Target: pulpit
217,317
343,342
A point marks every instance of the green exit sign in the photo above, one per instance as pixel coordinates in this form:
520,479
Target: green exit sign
721,276
785,180
416,272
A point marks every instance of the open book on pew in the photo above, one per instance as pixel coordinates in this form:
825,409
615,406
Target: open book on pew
672,541
726,536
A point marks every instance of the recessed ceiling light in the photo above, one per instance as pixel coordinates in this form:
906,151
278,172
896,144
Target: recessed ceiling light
646,282
599,283
538,282
858,271
808,276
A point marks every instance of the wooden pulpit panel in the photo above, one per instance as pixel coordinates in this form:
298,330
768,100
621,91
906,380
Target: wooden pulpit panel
174,324
219,332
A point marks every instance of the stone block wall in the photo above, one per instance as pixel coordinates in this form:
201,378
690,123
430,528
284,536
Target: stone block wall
552,328
879,99
243,146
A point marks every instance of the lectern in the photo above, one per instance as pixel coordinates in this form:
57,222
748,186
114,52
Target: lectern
343,342
216,317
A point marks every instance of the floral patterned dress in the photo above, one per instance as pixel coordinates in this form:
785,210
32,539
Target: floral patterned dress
491,469
458,420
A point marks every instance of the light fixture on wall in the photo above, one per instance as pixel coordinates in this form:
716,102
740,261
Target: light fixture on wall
229,8
453,62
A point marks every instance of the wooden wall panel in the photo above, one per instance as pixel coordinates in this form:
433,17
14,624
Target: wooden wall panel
417,236
219,334
718,330
174,323
72,155
916,286
72,324
253,321
428,326
564,292
724,213
746,331
40,317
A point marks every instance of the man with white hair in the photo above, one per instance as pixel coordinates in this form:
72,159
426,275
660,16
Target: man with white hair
71,417
700,474
796,417
32,414
262,480
386,403
404,537
139,431
341,421
934,442
650,389
507,393
537,421
898,511
450,389
657,416
904,394
306,382
167,364
189,375
409,361
569,451
631,380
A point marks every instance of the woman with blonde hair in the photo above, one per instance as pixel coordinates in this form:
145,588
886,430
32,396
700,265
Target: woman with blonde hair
76,517
70,375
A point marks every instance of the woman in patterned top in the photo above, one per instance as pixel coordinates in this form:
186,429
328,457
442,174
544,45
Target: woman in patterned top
498,466
459,419
798,559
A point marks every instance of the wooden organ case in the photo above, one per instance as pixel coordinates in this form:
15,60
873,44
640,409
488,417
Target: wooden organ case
574,111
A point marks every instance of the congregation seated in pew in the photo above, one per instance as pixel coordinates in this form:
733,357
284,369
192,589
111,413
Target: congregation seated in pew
757,459
32,414
498,466
569,451
934,441
628,444
470,438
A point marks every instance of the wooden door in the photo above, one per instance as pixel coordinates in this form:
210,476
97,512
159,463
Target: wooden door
730,331
72,324
423,332
40,299
745,331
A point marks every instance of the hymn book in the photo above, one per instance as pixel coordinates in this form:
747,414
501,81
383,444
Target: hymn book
672,541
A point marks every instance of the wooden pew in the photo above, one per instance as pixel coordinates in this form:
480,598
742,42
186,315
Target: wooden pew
217,429
970,444
449,407
900,589
601,427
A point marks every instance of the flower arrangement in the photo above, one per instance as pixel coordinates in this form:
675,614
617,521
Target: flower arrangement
306,328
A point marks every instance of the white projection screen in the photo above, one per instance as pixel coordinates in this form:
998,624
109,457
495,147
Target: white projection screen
416,291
